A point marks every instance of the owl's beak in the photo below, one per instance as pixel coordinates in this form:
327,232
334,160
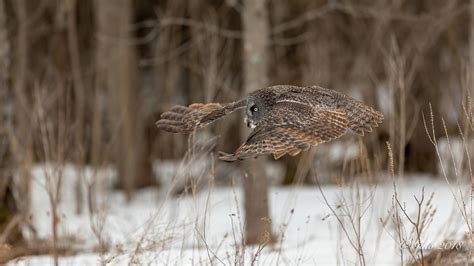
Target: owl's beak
249,123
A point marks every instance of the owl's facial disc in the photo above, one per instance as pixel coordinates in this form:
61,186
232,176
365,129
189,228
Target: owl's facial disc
255,112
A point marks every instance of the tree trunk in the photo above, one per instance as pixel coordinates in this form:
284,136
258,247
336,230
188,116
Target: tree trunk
21,138
255,41
79,92
9,232
117,66
470,89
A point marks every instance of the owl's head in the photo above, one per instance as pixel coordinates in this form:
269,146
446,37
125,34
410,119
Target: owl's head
256,110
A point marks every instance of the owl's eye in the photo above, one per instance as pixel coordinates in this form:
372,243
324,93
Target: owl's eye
254,108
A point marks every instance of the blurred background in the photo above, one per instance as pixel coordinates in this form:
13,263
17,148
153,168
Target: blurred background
83,82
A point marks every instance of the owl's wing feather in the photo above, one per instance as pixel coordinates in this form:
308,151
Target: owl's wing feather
361,117
291,127
185,119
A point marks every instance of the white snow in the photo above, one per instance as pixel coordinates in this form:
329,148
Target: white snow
157,228
454,156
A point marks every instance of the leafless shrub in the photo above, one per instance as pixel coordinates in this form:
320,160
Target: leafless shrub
460,170
458,197
53,148
197,57
419,222
350,213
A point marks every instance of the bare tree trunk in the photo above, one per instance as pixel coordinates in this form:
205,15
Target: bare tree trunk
21,139
255,41
118,67
470,115
79,92
4,47
470,92
9,232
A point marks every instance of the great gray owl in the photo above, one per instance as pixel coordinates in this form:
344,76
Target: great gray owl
285,119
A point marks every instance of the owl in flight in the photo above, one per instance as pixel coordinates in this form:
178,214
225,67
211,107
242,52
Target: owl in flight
285,119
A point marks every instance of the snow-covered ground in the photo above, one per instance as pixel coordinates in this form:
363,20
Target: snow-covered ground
159,229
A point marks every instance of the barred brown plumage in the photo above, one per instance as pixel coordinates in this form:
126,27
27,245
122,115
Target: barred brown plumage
287,119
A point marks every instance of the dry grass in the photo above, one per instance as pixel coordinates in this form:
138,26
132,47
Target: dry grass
197,57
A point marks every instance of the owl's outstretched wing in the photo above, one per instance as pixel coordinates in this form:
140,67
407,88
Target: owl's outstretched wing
361,118
185,119
291,127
